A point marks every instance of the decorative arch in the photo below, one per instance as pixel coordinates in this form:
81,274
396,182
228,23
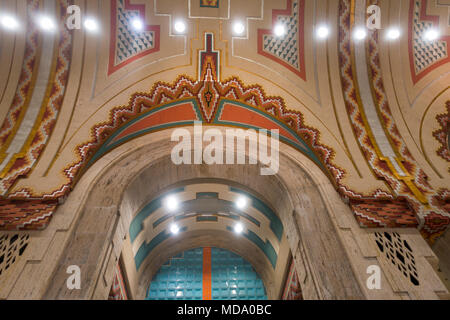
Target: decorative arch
212,102
119,186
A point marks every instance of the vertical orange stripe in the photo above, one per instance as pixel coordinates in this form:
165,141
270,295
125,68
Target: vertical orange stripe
207,295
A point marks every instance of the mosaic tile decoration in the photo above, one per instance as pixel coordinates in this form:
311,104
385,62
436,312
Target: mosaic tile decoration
442,135
209,3
292,289
128,44
26,215
426,53
425,56
118,289
287,50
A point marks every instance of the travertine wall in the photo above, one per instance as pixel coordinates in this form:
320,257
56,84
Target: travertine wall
442,250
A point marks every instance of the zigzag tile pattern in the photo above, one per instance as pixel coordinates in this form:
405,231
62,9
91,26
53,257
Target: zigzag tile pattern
431,227
425,53
127,43
287,50
442,134
388,121
26,215
25,86
45,124
425,56
384,214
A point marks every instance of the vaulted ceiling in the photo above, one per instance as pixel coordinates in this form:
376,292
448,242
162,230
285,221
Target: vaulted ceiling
372,113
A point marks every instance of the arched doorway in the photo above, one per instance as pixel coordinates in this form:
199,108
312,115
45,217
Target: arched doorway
124,181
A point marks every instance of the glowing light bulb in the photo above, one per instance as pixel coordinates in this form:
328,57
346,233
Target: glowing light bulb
91,25
180,27
393,34
238,28
360,34
323,32
239,228
279,30
9,22
174,229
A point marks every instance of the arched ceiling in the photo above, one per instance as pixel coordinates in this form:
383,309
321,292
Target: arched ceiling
371,113
208,207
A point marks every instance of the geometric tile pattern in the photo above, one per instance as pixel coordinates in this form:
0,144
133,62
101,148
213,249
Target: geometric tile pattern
413,186
26,215
12,247
23,162
349,90
25,85
287,50
399,253
384,214
292,288
181,278
425,52
118,289
130,42
209,3
425,56
443,133
127,43
257,107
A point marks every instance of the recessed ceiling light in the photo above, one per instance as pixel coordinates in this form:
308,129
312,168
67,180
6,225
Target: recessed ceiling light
47,23
91,25
171,203
393,33
238,228
9,22
241,203
137,24
279,30
238,28
360,34
174,229
180,27
432,35
323,32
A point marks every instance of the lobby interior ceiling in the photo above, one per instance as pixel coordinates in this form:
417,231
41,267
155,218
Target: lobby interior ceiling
363,112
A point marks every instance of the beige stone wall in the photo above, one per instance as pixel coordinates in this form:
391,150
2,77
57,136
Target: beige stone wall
442,249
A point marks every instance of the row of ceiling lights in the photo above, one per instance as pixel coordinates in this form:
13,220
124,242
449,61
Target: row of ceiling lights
48,24
172,203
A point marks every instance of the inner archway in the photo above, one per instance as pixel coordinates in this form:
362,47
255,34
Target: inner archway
206,212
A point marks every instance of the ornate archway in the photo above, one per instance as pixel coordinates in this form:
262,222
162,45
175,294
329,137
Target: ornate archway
141,169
